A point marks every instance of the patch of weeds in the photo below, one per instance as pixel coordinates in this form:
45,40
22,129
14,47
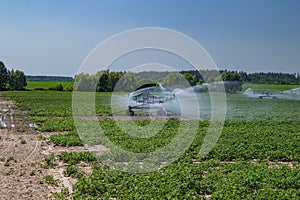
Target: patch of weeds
23,141
7,162
49,162
11,171
56,124
50,180
42,137
68,139
18,114
62,195
73,171
73,158
11,158
32,173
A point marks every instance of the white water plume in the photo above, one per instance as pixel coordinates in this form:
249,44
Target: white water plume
292,94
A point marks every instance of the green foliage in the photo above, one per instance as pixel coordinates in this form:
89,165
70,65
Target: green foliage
62,195
134,144
113,79
73,158
4,77
49,162
102,85
127,83
11,158
274,78
268,87
249,160
184,180
42,137
23,141
190,78
68,139
245,180
50,180
32,173
54,124
58,104
17,80
231,76
13,80
73,171
173,182
275,141
59,87
34,85
175,80
85,82
48,79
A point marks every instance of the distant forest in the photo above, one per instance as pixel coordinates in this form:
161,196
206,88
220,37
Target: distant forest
49,79
271,78
256,78
107,81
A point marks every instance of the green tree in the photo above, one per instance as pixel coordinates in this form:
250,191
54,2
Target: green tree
113,79
231,76
4,77
175,80
127,83
84,82
102,85
59,87
190,78
226,76
17,80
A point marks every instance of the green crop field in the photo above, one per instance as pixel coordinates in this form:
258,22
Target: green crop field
31,85
273,87
256,157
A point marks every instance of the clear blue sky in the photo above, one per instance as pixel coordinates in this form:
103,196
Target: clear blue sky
53,37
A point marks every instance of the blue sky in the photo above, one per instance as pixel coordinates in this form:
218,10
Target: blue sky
54,37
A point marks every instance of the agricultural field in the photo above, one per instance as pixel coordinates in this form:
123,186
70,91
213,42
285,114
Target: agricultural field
272,87
35,85
256,157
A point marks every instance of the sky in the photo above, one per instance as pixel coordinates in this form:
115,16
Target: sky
54,37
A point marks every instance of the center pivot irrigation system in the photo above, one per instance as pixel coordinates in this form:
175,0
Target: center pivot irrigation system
151,96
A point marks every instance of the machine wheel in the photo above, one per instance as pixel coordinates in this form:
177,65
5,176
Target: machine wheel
130,113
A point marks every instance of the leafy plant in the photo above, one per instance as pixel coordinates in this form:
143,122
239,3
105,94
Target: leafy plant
73,158
50,180
49,162
73,171
68,139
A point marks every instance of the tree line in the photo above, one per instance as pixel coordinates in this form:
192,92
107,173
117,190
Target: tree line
106,81
271,78
49,78
11,79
